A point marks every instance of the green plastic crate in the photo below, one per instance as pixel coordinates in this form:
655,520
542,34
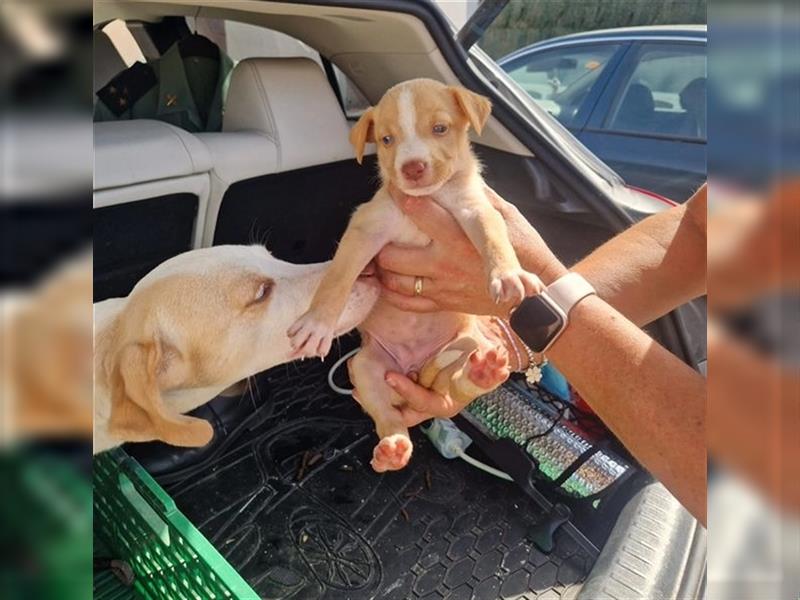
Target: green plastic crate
139,522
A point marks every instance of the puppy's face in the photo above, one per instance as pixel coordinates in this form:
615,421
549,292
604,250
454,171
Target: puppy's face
206,319
420,128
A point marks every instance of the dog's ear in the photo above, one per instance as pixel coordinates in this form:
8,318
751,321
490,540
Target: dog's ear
363,132
474,106
138,412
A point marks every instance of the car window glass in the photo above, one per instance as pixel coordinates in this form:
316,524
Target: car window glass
666,93
242,40
561,79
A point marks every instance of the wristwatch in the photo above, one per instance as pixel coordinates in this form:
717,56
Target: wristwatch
541,319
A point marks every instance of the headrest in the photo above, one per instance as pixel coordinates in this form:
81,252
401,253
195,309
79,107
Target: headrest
693,96
638,101
291,101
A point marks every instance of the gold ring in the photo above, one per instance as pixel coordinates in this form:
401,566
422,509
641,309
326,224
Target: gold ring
418,286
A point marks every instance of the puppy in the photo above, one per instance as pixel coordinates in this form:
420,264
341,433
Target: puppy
420,128
192,327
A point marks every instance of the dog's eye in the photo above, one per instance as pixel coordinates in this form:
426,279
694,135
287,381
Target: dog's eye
440,129
387,140
262,292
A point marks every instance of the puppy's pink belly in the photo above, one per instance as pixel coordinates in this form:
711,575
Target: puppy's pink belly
410,338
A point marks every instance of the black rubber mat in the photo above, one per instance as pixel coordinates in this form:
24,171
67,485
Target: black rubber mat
292,503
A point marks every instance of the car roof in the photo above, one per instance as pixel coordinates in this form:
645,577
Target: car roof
688,32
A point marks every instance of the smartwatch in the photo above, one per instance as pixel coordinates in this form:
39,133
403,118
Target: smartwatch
541,319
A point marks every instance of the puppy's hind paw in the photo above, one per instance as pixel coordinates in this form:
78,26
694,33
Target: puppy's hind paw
392,453
488,370
310,336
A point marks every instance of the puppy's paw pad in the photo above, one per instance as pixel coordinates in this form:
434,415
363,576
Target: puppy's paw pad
392,453
488,370
311,336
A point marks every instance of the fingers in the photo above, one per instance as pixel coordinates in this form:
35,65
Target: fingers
419,398
419,304
407,260
495,199
405,284
432,219
412,417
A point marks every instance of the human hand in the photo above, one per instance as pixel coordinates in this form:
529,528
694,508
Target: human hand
454,276
443,389
421,403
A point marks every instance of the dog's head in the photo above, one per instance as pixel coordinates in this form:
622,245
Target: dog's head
420,129
205,320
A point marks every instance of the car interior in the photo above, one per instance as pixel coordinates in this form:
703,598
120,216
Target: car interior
281,173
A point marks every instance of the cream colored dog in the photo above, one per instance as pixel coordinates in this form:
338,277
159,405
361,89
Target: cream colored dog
193,326
420,128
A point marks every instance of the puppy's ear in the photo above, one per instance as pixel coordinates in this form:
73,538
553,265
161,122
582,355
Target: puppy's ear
138,412
363,132
474,106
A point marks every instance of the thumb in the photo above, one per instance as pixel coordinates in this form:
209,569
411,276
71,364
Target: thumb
419,398
435,221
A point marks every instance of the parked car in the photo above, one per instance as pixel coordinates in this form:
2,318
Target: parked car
282,503
635,96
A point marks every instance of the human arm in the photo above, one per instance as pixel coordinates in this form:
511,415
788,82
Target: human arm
644,272
654,266
651,400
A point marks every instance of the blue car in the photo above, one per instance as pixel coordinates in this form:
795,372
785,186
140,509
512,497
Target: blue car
635,96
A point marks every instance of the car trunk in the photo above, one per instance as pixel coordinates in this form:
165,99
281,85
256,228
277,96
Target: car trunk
288,498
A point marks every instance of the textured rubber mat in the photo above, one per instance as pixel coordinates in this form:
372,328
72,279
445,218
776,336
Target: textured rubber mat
292,503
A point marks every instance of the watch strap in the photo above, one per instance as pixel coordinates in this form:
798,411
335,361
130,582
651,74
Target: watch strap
568,290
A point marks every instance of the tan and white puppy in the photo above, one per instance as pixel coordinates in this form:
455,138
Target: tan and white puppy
421,131
193,326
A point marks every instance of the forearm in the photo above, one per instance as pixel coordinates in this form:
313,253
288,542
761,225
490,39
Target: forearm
644,272
654,403
651,268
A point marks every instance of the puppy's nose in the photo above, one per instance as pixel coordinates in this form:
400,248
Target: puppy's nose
413,170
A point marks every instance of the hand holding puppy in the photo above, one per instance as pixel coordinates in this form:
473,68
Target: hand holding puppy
453,275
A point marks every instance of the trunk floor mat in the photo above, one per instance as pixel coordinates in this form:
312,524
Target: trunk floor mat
334,529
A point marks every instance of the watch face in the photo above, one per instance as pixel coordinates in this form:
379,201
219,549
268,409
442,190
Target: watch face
537,322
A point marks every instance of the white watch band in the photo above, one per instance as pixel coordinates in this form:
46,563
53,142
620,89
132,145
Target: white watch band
568,290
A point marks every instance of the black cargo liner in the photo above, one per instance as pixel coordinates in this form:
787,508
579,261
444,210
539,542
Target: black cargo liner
336,530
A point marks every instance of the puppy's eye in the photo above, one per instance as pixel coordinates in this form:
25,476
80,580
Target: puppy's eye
440,129
387,140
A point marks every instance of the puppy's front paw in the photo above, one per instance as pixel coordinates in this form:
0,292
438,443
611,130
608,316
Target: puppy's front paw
392,453
311,335
488,370
513,286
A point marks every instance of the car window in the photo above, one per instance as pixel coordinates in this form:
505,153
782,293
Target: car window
561,79
665,94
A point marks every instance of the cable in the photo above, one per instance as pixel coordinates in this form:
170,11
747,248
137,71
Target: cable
484,467
451,442
336,365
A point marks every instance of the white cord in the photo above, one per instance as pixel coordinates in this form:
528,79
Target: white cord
484,467
332,372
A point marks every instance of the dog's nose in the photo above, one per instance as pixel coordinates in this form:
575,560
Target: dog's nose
414,169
